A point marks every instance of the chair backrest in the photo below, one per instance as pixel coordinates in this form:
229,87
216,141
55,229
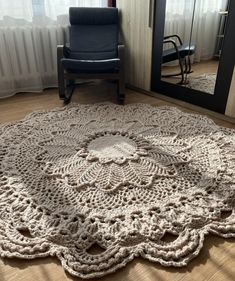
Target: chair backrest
94,33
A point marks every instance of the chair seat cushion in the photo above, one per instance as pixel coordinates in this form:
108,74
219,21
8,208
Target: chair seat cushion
87,55
91,66
184,50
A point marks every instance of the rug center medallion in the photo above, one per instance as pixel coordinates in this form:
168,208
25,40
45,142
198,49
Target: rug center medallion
112,147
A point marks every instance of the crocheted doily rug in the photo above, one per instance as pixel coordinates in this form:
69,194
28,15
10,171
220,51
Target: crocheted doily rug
126,178
204,83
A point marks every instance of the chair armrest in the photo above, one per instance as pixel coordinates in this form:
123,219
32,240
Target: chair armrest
60,52
121,56
121,51
172,42
176,36
175,46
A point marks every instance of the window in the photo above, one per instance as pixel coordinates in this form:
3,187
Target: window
27,10
38,7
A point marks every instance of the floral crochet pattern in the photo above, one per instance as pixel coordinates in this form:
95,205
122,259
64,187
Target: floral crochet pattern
112,159
119,177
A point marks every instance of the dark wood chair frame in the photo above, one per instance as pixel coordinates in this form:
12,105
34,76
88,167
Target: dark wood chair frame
187,68
66,80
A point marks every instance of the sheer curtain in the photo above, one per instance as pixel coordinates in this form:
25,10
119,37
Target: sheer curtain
30,30
205,27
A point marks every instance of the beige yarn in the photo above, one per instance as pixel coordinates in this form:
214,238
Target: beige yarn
122,177
204,83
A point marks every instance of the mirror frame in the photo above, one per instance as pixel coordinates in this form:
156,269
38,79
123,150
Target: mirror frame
216,102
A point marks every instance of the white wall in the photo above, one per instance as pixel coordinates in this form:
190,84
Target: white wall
230,109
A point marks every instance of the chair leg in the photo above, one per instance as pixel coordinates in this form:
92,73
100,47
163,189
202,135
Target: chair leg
182,63
121,91
190,65
61,81
181,71
185,65
121,81
70,86
60,73
66,87
62,89
65,92
121,86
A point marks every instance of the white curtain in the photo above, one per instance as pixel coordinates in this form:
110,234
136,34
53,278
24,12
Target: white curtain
178,21
30,30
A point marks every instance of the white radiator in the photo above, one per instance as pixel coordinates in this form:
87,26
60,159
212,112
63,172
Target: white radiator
28,57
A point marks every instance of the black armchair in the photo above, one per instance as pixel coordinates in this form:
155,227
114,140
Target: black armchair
93,53
180,52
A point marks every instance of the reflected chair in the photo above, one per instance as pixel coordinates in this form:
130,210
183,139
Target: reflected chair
180,52
93,53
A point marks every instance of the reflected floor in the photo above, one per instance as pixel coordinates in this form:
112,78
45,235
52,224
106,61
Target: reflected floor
201,71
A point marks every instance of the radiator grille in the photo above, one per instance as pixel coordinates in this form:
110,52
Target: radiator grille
28,56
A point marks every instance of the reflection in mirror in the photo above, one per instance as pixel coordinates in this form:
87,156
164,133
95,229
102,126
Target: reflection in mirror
193,36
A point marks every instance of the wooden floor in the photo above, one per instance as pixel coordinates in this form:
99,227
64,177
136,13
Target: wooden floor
216,262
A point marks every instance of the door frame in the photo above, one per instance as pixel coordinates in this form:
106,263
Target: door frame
216,102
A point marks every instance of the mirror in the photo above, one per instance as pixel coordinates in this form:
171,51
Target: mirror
193,38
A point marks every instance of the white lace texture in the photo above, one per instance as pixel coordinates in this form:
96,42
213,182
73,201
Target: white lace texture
121,177
204,83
